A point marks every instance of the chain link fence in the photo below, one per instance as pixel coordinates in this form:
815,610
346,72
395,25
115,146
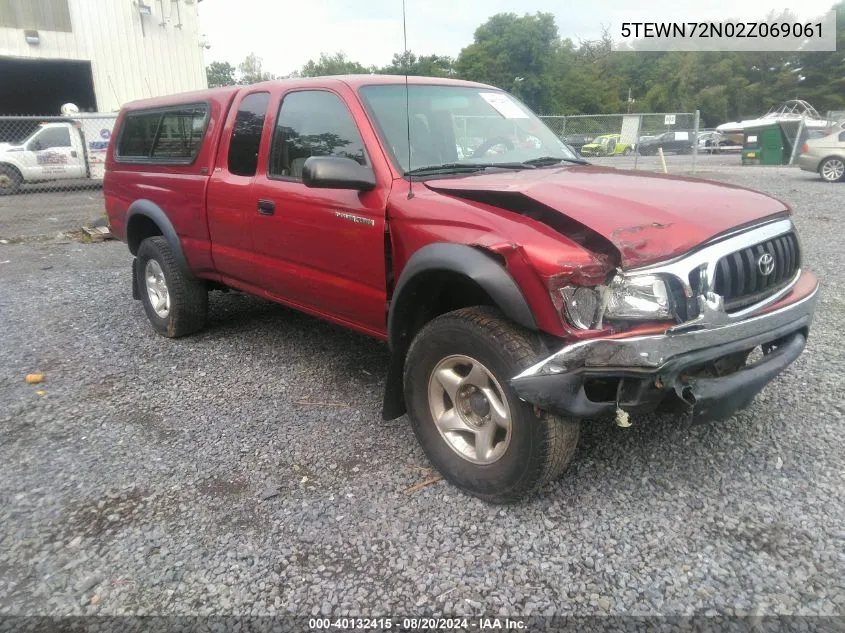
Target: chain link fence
637,141
51,172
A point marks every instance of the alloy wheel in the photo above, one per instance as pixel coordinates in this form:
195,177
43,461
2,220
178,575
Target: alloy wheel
157,291
833,169
470,409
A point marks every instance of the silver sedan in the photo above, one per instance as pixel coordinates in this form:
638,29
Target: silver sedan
825,155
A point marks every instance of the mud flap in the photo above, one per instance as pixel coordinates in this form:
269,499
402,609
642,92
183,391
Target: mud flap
135,291
393,405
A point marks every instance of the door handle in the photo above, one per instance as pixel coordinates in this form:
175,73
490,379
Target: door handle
266,207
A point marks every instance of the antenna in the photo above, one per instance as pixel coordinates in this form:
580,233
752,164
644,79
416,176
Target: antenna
407,101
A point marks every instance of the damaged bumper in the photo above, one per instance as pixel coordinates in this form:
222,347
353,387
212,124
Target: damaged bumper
682,369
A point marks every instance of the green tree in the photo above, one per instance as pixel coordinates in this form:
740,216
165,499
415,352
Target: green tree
524,55
252,71
422,66
515,53
336,64
220,74
823,73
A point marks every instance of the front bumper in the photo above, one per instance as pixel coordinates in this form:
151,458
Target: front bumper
674,369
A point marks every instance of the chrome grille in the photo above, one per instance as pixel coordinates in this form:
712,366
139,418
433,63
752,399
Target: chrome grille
739,279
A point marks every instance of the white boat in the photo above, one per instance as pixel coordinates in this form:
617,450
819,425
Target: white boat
791,111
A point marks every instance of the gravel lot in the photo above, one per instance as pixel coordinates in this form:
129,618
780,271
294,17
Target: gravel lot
48,209
246,470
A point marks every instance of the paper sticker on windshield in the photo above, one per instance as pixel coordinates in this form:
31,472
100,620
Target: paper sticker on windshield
504,105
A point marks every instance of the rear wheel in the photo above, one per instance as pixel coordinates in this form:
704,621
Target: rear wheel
832,169
471,425
628,151
176,303
10,180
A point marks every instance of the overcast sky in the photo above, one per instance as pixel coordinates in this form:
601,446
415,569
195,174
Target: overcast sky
287,33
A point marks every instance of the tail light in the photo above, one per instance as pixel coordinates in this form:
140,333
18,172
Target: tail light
805,148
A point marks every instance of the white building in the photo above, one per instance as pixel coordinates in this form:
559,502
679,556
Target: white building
98,54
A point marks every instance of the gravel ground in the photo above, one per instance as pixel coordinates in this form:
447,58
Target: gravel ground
246,470
675,163
49,209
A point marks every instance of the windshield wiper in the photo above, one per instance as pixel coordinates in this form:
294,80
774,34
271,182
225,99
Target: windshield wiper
544,161
464,167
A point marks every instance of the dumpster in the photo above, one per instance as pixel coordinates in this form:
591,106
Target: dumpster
764,146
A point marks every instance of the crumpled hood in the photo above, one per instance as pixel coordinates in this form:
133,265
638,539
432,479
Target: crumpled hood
647,217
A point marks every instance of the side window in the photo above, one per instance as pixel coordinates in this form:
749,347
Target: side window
137,135
51,137
842,137
180,134
246,135
312,123
170,135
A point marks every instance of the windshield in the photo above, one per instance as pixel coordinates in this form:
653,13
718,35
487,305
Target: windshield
454,124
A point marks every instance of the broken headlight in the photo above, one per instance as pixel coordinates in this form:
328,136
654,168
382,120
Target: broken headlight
582,305
635,298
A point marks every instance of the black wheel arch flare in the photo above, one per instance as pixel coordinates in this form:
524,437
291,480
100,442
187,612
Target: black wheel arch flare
465,261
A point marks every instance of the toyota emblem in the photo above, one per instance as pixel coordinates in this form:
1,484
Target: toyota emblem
766,264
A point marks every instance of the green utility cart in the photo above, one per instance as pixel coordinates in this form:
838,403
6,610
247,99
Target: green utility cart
764,146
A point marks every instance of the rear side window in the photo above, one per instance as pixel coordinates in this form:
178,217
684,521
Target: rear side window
163,135
246,135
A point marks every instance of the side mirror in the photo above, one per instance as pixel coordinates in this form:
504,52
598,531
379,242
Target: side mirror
35,146
334,172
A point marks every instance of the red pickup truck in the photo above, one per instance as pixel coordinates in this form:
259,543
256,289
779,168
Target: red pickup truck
520,289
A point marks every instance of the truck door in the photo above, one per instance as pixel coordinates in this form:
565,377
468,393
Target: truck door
231,198
52,154
320,249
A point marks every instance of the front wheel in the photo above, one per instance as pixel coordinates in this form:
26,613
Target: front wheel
474,429
10,180
832,169
175,302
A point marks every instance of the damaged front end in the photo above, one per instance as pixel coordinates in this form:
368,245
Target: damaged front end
715,308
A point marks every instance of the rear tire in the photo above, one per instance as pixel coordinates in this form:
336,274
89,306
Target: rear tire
627,151
496,447
10,180
175,302
832,169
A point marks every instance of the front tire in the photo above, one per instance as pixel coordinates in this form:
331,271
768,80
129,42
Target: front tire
10,180
832,169
175,303
473,428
